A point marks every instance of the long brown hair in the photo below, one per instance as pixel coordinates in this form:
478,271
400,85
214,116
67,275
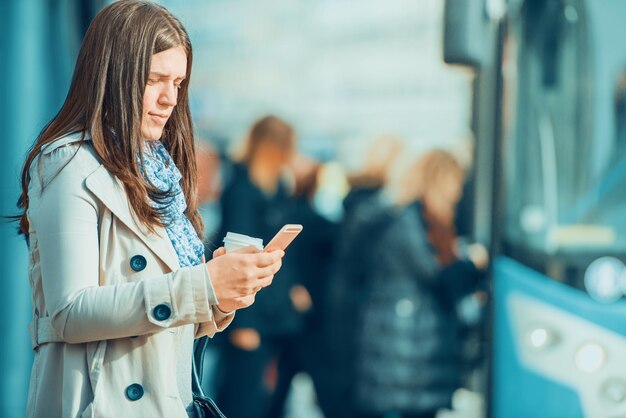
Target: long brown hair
105,99
421,177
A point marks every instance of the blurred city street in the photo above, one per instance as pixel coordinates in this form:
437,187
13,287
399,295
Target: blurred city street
446,178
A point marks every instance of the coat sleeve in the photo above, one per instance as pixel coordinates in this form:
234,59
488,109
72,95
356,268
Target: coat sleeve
65,239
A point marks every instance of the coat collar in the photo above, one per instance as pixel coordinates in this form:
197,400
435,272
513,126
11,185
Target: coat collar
112,194
68,139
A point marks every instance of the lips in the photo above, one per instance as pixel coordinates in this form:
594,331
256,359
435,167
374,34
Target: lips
161,117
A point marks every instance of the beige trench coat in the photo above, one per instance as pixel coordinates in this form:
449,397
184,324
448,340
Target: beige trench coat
110,300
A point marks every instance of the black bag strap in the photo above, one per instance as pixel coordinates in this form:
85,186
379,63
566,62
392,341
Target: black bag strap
202,402
198,365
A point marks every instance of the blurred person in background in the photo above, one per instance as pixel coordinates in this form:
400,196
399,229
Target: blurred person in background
408,359
257,201
119,280
209,188
208,166
307,351
348,267
370,180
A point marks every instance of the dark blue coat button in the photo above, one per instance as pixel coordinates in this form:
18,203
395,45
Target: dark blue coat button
134,392
138,262
161,312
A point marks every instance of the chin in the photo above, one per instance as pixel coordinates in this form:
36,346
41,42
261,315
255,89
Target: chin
153,135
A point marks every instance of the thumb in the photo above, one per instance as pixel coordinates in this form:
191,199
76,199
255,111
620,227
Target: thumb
219,252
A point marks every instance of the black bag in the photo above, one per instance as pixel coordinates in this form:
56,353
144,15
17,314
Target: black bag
202,406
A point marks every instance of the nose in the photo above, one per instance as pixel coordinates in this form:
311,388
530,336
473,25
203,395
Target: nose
169,95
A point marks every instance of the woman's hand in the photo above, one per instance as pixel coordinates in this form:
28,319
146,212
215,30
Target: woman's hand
237,276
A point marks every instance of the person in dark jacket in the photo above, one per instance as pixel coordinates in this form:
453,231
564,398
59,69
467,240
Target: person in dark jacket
256,201
344,291
312,253
408,359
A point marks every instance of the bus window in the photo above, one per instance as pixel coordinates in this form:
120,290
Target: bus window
564,178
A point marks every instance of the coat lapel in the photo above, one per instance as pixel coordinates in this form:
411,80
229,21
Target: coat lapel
112,194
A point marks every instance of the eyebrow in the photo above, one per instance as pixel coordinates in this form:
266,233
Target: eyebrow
166,75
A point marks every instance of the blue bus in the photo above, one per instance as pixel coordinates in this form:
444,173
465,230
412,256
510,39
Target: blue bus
550,198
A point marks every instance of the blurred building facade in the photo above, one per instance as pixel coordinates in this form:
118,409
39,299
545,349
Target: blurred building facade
341,72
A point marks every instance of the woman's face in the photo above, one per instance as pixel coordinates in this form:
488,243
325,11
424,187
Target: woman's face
442,194
451,187
167,71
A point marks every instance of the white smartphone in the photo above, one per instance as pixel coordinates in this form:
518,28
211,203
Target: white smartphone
284,237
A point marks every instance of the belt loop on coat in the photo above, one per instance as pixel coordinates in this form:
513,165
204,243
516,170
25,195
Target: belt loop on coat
32,330
42,332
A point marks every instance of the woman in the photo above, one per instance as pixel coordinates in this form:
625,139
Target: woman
120,286
408,359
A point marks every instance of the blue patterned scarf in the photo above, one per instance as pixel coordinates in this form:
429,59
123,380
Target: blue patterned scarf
160,170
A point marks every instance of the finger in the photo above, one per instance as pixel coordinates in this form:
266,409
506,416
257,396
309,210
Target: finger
265,281
219,252
267,259
259,284
248,300
243,301
269,270
278,253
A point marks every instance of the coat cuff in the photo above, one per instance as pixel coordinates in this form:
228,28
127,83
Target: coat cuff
181,297
160,302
